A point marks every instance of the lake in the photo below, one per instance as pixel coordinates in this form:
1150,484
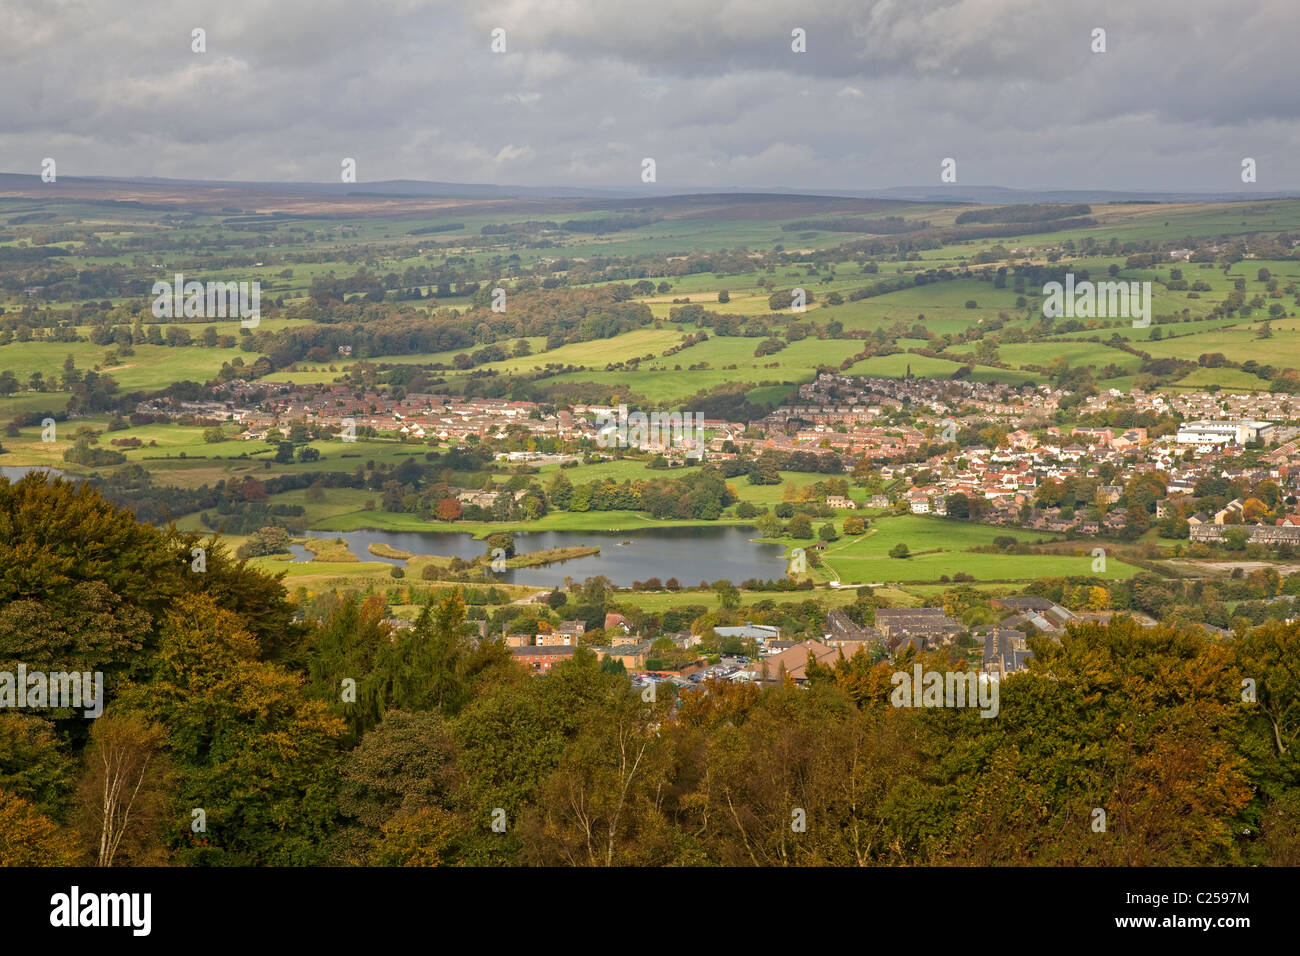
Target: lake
18,472
691,555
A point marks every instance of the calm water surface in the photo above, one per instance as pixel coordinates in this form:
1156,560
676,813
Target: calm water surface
691,555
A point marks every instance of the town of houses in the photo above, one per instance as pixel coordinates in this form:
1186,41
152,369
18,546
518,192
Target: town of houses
890,422
894,632
1002,648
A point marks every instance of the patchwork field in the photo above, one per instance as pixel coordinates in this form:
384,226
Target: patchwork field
683,248
941,547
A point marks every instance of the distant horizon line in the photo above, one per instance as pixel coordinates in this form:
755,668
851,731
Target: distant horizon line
932,193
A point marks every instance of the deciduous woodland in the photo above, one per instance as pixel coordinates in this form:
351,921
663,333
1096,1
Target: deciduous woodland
228,738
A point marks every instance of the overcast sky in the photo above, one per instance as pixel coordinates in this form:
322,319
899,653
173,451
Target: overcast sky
709,88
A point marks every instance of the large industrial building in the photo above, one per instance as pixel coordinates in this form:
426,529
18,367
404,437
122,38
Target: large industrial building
1222,433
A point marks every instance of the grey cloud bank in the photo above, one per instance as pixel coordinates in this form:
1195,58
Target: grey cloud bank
713,92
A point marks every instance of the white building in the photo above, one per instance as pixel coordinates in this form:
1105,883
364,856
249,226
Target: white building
1222,433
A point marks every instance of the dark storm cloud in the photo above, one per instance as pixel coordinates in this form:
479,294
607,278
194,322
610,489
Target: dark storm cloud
711,90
